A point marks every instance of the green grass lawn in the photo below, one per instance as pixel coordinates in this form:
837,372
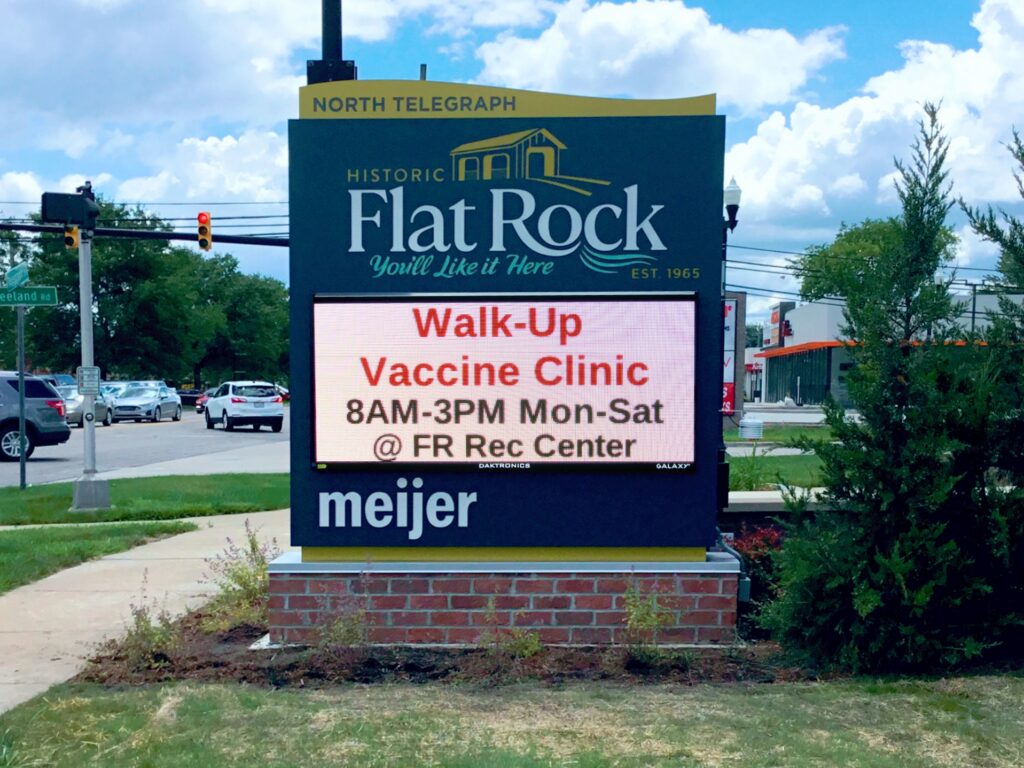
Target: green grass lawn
150,498
31,554
976,721
782,433
755,473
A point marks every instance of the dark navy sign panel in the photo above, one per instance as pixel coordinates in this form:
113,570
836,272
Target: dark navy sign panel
511,205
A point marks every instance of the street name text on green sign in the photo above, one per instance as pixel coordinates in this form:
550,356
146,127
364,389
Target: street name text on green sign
29,296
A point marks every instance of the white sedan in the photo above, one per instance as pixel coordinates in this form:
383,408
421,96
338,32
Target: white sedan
243,403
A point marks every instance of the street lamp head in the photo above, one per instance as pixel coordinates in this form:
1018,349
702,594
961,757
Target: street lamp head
731,195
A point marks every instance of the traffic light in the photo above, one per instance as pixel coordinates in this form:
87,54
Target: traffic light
205,230
71,237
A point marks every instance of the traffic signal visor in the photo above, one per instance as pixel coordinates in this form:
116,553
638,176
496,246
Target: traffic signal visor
205,230
71,237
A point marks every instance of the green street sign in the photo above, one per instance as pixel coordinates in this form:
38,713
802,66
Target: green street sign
29,296
16,276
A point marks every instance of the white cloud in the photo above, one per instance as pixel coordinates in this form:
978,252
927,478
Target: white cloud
846,151
20,186
144,189
972,250
72,140
252,166
657,49
848,185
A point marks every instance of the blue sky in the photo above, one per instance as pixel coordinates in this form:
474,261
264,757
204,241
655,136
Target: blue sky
187,101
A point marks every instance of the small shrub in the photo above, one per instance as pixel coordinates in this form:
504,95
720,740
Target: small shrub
152,636
644,617
750,473
240,572
347,628
515,643
758,547
520,643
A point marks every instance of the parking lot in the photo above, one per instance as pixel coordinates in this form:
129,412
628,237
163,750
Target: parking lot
130,444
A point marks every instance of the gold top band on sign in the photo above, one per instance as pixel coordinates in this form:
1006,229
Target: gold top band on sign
499,555
404,99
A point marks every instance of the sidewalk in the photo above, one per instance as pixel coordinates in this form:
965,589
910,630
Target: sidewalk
49,628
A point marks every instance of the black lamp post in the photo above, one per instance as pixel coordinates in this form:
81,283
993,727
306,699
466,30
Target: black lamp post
731,196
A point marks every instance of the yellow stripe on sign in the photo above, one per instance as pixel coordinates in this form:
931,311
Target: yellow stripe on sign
404,99
499,555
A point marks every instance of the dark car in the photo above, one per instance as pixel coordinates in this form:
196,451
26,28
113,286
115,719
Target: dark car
44,416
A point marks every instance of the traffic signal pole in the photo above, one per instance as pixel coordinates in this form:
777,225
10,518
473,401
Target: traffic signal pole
89,491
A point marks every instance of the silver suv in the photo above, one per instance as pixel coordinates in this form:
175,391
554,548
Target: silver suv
44,416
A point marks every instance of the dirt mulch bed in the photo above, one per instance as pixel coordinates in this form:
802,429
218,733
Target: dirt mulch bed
226,657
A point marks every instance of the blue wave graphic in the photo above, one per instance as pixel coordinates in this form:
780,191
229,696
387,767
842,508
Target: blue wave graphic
610,263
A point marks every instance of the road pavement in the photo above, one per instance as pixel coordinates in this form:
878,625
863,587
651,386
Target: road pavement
186,446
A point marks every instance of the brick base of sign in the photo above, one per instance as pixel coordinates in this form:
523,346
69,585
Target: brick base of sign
571,607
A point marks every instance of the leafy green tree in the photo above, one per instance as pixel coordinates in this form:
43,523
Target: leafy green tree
753,336
840,268
140,301
14,249
908,568
246,325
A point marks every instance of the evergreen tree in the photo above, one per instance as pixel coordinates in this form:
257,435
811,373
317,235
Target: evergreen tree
908,567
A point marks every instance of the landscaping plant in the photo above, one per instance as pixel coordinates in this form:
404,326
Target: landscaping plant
152,636
240,573
915,564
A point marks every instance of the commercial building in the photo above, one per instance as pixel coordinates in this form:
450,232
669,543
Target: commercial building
804,356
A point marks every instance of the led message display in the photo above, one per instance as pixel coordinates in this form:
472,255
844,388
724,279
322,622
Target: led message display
530,379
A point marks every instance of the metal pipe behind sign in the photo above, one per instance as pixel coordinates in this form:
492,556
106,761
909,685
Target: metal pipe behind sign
331,30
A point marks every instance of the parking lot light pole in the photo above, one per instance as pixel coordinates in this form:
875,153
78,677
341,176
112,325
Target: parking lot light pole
89,491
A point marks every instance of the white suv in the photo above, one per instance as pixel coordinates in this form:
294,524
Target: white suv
238,403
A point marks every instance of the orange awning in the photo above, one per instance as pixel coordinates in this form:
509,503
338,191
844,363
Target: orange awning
809,346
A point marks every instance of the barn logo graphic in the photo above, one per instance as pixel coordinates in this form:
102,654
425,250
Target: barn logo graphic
535,155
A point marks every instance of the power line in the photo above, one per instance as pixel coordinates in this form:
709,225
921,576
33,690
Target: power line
842,258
